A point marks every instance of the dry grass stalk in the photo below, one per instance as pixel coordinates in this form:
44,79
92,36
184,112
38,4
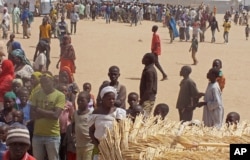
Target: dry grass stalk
165,140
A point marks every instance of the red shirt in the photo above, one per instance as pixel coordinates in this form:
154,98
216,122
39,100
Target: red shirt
156,44
6,156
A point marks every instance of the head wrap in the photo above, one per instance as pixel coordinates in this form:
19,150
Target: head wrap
16,45
20,54
17,80
108,89
69,72
37,75
20,135
10,94
7,68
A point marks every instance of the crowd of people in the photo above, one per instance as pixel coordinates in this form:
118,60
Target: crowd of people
50,117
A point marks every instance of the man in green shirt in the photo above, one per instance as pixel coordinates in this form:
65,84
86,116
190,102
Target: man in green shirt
46,107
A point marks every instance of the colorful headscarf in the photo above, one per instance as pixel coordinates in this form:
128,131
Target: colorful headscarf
37,75
20,54
69,72
10,94
7,68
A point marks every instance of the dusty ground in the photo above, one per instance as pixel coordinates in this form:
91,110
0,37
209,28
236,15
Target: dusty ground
99,45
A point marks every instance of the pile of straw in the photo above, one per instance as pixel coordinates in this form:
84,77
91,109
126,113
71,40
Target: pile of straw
155,139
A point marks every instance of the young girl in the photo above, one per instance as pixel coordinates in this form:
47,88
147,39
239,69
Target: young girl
104,116
69,142
87,88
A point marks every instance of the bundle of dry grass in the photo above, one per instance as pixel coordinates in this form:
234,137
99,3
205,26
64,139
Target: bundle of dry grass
155,139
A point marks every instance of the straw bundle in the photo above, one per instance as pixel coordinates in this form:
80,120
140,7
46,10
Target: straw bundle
155,139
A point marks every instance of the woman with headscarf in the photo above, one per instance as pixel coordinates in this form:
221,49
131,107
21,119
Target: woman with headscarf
25,22
23,67
6,77
103,117
67,56
9,108
66,77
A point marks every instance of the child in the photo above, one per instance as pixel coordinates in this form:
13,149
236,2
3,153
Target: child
217,63
194,49
162,110
84,147
134,107
233,118
247,31
133,100
4,29
87,88
6,114
69,142
9,43
3,136
23,105
18,117
40,61
65,118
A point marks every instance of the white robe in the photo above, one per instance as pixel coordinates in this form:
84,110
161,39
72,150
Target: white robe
213,112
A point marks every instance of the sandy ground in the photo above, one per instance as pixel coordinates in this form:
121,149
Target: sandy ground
99,45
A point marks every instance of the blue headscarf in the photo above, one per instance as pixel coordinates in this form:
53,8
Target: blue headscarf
16,45
20,54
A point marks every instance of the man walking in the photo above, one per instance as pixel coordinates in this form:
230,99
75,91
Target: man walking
15,19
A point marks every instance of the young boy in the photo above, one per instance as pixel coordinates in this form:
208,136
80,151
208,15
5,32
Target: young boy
162,110
18,117
217,63
247,31
18,141
213,110
84,147
194,49
23,105
133,100
156,50
87,88
9,43
3,136
227,26
233,118
4,29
